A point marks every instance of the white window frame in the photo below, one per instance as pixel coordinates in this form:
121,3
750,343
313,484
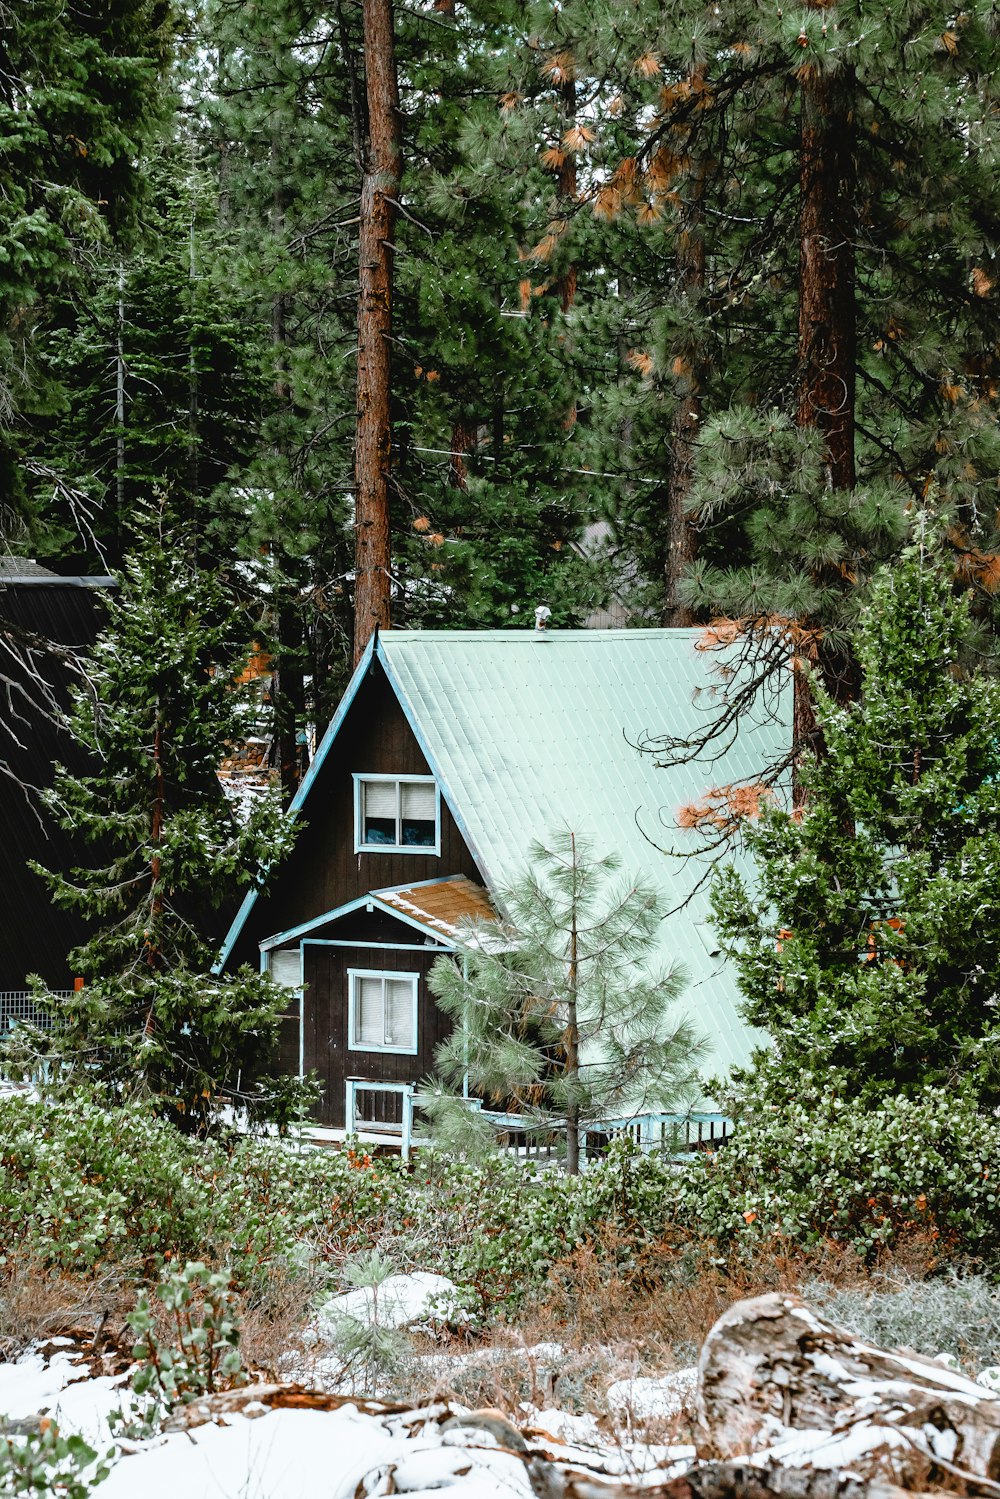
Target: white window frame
267,955
360,847
353,1044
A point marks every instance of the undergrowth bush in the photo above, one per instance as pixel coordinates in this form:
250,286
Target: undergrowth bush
201,1353
818,1167
85,1189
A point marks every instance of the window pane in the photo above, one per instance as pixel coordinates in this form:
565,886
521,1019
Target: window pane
399,1013
418,816
369,1027
380,798
285,968
418,801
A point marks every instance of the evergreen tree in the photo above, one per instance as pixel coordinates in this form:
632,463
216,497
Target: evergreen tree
867,942
822,314
161,704
557,1010
80,93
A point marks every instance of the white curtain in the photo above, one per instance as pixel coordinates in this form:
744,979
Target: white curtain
399,1012
369,1021
380,798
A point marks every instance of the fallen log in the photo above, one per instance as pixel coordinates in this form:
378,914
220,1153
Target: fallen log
717,1481
775,1378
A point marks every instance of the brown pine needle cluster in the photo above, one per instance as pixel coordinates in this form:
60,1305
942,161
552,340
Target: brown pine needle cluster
640,360
725,807
560,67
647,66
803,640
577,137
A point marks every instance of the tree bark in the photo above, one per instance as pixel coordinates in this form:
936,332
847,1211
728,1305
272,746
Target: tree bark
827,332
771,1367
682,537
463,440
379,196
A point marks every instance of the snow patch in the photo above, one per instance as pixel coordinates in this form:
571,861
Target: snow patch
400,1301
659,1397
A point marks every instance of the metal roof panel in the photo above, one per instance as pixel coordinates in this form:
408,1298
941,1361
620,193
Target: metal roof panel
529,733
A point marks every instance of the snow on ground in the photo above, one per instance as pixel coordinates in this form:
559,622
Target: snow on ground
61,1386
653,1397
260,1453
400,1301
292,1454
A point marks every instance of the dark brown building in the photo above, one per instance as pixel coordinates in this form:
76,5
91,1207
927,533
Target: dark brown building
46,621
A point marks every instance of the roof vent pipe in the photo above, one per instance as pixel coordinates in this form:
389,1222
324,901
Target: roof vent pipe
542,616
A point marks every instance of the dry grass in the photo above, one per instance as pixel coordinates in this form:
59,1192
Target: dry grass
614,1310
37,1304
274,1319
656,1303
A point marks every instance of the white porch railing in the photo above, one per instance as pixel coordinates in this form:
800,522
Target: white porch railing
649,1132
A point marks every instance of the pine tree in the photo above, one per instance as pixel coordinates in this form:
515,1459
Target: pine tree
557,1009
867,942
80,94
822,183
161,703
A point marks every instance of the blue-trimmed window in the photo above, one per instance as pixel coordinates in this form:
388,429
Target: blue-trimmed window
397,814
382,1011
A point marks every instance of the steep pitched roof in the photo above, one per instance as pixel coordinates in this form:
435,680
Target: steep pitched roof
526,733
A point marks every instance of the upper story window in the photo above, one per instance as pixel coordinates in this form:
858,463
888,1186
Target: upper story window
397,814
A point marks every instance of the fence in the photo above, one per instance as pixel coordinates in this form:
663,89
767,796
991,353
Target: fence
18,1006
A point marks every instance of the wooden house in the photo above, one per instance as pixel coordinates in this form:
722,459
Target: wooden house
450,752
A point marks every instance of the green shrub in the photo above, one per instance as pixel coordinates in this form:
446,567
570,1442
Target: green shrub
203,1355
821,1167
82,1185
46,1462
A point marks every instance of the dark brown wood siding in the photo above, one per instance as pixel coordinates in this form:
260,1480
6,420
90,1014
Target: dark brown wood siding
326,1029
323,872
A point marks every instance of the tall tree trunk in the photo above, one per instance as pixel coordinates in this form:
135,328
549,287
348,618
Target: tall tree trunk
827,332
120,405
287,687
685,424
568,192
379,196
827,316
194,413
463,440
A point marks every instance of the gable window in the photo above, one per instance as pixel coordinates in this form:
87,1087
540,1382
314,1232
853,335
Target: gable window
397,814
382,1011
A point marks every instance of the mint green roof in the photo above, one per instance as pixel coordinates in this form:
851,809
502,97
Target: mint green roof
528,733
